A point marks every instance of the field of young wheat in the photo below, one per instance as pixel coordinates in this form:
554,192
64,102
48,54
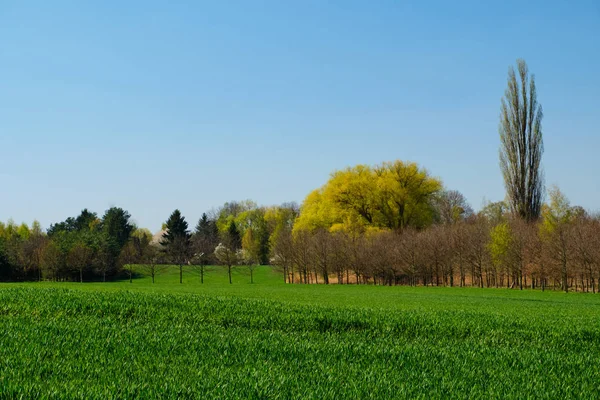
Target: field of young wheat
273,340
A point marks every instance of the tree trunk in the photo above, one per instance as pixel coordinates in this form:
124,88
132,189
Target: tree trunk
180,273
229,273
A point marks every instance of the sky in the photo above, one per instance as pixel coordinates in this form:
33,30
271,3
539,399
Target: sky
154,105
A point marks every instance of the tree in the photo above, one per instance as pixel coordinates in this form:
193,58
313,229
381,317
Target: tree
31,251
451,207
151,260
207,228
131,253
321,253
5,267
176,241
204,241
499,247
495,212
116,225
86,220
79,258
477,254
406,196
459,235
282,245
556,232
51,258
393,195
522,145
280,221
106,257
251,251
232,237
353,189
228,256
232,211
227,252
585,249
302,253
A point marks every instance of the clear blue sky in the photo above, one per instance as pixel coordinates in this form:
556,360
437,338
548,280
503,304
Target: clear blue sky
152,105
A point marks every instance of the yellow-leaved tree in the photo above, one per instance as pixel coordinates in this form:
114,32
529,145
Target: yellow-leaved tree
393,195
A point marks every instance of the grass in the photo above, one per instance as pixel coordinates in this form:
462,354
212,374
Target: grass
271,340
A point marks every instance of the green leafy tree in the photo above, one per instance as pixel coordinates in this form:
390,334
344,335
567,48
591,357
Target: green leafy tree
500,248
252,251
556,232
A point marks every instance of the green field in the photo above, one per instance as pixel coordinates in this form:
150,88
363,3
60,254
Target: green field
271,340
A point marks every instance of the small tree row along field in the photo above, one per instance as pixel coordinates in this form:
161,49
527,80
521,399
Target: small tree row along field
272,340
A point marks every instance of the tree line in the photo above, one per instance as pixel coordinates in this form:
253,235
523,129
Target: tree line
93,248
386,224
491,248
458,247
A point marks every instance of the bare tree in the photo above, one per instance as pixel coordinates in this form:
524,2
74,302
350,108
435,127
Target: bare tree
321,246
302,253
585,250
409,253
437,255
477,249
228,256
283,253
451,207
132,253
458,234
203,252
152,260
522,145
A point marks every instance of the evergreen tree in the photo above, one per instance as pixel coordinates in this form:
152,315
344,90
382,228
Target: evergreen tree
177,241
207,230
85,220
204,226
205,240
233,237
116,225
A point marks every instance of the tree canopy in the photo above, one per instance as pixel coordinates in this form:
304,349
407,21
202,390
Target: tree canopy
392,195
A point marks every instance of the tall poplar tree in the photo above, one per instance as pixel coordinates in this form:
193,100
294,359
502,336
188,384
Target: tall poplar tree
522,145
